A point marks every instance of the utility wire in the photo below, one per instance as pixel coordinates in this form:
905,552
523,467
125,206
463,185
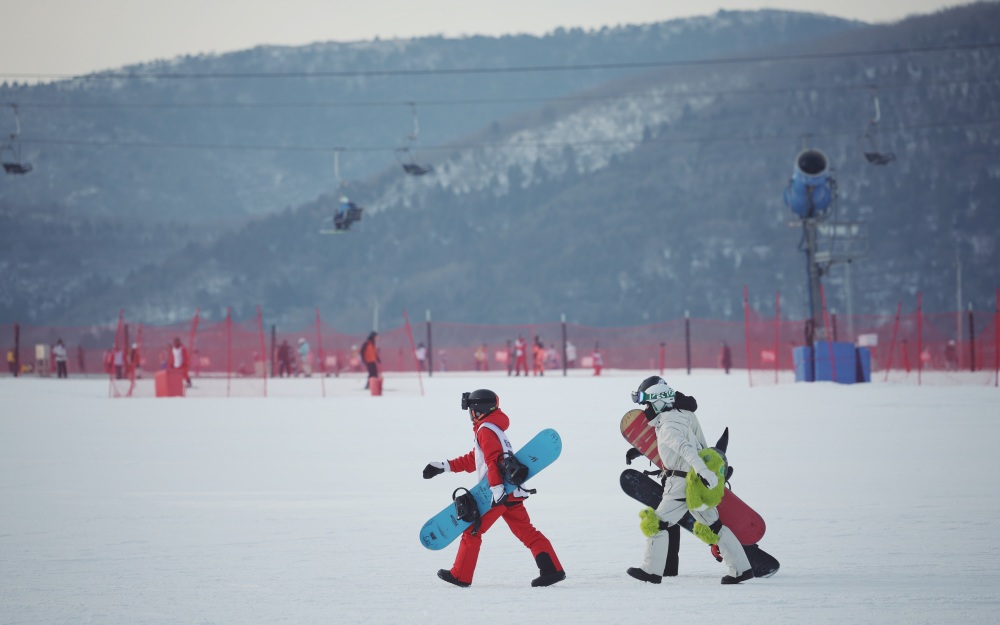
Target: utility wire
657,92
770,58
681,139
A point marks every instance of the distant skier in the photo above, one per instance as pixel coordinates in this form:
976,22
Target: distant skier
371,358
726,357
489,424
178,360
679,439
520,356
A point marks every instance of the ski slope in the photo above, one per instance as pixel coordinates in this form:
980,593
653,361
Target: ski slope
881,503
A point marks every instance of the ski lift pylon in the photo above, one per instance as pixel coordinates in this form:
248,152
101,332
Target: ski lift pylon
405,154
869,144
10,152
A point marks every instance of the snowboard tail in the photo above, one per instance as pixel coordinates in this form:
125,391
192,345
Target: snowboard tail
648,491
733,512
444,527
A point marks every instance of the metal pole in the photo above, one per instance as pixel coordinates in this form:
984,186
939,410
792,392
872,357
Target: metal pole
17,349
563,318
430,347
687,340
958,308
849,297
274,339
819,331
972,340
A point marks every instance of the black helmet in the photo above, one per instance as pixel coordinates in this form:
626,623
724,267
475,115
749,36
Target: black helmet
654,391
652,380
481,402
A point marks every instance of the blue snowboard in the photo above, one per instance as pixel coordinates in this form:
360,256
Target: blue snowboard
445,527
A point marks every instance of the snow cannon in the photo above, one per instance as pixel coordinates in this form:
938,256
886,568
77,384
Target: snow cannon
809,192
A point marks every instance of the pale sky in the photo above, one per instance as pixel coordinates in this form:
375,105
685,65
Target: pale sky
71,37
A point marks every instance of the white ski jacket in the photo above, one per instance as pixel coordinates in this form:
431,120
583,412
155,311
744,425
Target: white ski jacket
679,439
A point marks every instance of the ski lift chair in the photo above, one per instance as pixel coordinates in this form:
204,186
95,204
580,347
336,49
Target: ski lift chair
869,146
10,157
406,159
10,153
17,168
410,165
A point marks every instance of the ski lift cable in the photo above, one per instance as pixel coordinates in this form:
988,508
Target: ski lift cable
743,60
525,145
655,91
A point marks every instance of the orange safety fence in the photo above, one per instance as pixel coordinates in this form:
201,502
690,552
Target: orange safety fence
236,358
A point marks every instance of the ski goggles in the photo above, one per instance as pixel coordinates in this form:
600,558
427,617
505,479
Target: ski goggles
641,397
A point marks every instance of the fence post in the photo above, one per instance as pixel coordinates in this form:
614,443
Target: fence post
996,338
920,338
563,318
17,349
892,342
321,355
687,340
972,340
777,336
274,338
430,347
229,350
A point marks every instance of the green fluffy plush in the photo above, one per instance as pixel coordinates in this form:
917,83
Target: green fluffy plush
705,533
650,523
699,497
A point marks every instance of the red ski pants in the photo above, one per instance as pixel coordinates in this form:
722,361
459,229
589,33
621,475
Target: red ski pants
520,525
521,362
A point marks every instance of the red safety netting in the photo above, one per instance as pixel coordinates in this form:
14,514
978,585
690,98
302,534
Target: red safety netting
235,358
224,359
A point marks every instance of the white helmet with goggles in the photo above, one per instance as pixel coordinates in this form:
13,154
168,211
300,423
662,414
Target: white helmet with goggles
655,392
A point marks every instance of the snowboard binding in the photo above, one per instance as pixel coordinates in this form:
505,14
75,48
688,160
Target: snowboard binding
466,508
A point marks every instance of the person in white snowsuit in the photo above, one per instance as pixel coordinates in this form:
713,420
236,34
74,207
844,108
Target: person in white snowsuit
679,438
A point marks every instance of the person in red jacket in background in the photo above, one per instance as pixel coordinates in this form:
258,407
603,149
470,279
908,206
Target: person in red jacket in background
489,424
520,356
178,359
538,357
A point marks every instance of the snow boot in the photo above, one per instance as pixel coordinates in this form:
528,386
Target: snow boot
744,576
446,575
643,576
673,551
548,574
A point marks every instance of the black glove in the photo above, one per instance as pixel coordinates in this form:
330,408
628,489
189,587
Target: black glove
434,468
631,455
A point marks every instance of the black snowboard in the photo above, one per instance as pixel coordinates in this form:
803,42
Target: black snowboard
648,491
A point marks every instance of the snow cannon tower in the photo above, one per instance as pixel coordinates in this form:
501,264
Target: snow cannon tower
809,194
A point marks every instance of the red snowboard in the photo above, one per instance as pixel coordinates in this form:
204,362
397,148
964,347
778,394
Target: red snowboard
745,523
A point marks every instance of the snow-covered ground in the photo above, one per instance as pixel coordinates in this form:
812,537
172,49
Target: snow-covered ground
881,503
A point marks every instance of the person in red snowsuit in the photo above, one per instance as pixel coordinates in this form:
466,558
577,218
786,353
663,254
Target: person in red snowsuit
489,424
598,360
178,360
520,356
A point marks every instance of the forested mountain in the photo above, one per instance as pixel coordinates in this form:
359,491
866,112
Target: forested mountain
645,195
